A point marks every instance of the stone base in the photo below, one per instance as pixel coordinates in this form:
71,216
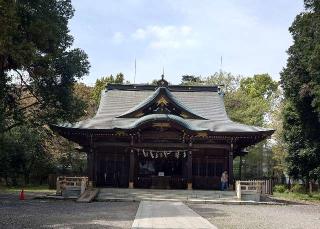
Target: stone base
231,187
130,184
189,186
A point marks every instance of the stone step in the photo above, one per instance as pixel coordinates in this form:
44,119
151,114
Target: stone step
71,192
88,196
112,194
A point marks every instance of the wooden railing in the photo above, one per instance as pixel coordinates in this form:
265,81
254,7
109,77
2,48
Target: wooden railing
259,187
64,183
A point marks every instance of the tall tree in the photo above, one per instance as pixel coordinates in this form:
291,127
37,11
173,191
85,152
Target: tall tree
300,80
250,101
84,93
191,80
279,147
38,70
229,82
37,63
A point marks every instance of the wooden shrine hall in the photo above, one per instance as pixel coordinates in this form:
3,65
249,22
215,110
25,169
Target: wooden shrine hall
161,136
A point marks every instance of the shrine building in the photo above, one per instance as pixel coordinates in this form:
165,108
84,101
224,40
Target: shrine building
161,136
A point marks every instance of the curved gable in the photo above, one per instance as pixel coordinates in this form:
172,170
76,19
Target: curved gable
162,101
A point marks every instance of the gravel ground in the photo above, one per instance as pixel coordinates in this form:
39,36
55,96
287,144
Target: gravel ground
64,214
260,216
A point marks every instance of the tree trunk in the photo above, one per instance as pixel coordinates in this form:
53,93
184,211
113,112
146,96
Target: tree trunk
26,178
6,179
306,185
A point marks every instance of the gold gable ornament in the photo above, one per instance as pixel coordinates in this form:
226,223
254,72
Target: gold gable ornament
184,115
202,135
162,125
140,114
121,133
162,101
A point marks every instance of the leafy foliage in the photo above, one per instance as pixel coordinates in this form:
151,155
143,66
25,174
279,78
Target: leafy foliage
279,188
37,63
24,154
279,147
103,82
250,101
301,83
38,72
84,93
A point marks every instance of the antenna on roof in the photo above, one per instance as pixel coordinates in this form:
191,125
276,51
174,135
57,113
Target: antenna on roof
221,64
135,70
162,76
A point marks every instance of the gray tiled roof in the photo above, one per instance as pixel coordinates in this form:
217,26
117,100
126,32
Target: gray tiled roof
154,95
207,104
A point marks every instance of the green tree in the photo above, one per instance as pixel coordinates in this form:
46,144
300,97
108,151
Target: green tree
83,92
279,147
38,70
253,104
25,154
251,101
229,82
37,63
300,80
103,82
189,80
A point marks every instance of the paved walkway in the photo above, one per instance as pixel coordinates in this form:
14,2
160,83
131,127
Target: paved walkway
199,196
164,214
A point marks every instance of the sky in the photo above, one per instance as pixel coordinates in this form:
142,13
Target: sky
183,37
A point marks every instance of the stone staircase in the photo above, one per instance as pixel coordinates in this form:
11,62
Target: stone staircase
194,196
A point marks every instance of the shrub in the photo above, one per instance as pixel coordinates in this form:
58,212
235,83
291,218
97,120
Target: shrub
298,188
279,188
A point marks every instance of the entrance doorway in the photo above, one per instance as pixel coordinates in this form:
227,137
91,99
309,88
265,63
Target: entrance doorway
113,170
207,170
167,172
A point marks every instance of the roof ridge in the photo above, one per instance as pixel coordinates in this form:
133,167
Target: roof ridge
149,87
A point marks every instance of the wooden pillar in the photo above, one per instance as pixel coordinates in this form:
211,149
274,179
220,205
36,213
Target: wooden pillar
131,169
94,167
89,165
230,172
91,162
240,167
189,170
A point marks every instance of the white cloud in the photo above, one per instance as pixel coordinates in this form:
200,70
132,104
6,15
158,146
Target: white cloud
118,38
160,37
185,37
139,34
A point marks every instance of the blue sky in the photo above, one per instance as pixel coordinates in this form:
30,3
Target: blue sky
183,36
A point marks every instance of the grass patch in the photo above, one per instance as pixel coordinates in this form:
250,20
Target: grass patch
314,197
28,188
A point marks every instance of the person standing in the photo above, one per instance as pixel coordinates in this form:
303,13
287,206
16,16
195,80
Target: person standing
224,181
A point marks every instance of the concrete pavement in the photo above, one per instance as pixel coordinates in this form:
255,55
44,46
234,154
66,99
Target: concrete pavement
168,214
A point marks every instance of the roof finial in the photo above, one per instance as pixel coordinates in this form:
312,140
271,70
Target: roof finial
162,82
